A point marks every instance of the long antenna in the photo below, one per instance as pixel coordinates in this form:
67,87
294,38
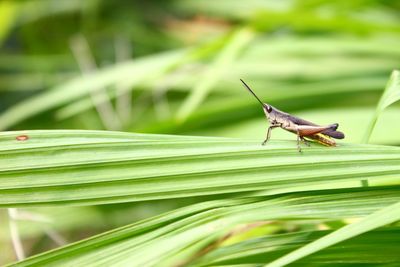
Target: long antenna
251,91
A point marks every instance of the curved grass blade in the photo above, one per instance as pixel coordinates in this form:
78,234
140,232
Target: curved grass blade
377,219
222,62
389,96
360,250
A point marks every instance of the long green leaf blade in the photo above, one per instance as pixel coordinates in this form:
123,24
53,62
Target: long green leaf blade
93,167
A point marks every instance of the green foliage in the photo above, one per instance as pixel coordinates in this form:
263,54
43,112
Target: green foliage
173,238
47,168
173,67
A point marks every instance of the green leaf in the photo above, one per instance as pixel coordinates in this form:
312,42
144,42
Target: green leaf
93,167
389,96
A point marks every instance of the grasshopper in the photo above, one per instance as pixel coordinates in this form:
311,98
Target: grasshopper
302,128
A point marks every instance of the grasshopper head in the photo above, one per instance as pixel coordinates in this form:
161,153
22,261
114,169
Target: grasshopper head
267,110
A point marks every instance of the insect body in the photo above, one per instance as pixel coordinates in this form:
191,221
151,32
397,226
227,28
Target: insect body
302,128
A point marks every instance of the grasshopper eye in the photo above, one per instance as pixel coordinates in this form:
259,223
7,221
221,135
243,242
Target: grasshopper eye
267,108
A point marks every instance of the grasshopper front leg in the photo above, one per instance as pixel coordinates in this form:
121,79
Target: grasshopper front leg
272,126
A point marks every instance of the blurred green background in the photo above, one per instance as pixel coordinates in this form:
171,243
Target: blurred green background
174,67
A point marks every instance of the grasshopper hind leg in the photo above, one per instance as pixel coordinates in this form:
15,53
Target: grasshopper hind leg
305,141
299,138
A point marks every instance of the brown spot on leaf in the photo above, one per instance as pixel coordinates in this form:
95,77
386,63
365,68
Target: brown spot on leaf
22,137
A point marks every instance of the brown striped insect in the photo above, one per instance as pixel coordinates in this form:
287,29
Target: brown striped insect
304,130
